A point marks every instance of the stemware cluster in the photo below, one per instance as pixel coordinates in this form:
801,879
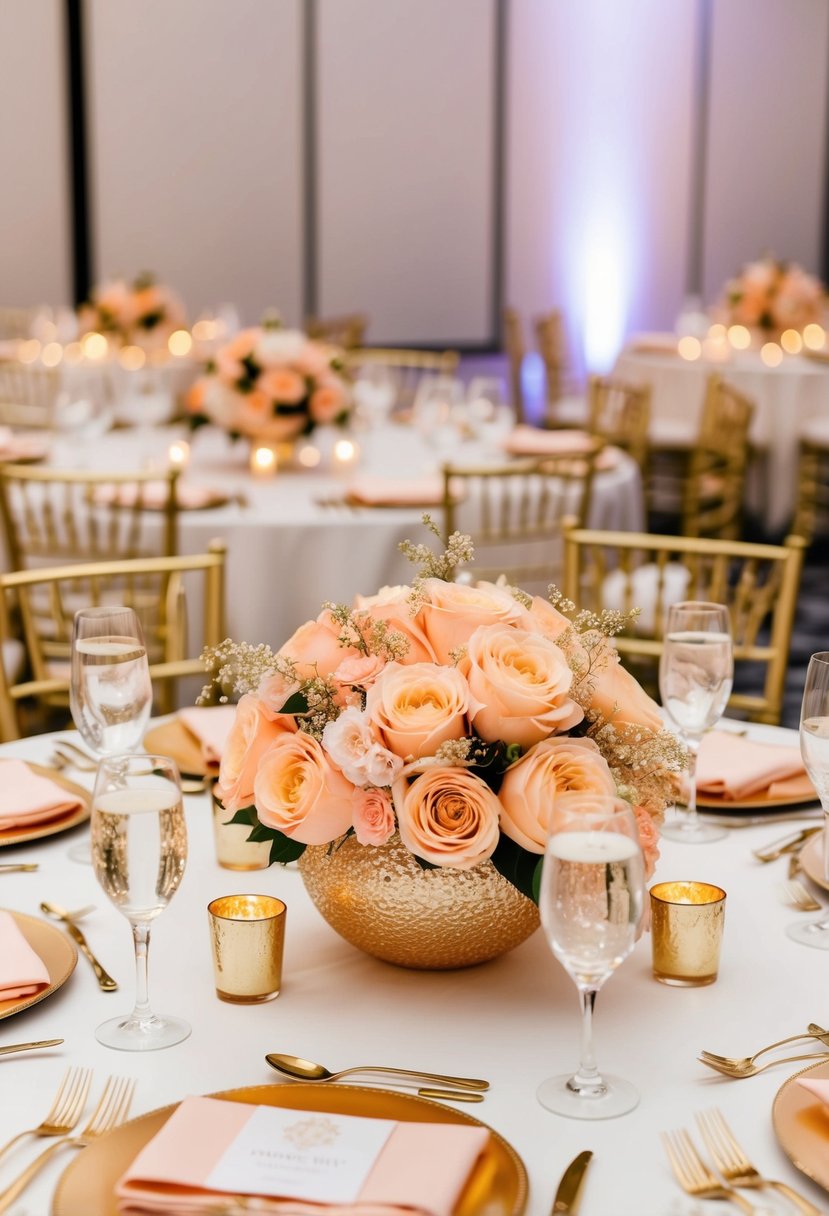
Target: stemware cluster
139,837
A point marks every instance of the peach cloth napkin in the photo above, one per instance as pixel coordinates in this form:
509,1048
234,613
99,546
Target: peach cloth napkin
653,344
27,798
211,726
530,441
422,1167
396,492
733,768
22,971
819,1088
154,495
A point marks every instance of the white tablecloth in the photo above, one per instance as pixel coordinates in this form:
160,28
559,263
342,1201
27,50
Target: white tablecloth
287,553
785,398
514,1021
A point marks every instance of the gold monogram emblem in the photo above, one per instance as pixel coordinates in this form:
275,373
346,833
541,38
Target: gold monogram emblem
312,1133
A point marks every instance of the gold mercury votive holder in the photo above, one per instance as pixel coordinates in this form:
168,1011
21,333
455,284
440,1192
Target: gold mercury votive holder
233,849
247,934
686,932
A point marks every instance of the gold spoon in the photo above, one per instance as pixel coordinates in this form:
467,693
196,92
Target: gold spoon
306,1070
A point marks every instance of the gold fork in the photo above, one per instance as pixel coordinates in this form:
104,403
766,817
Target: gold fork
734,1165
739,1069
693,1175
111,1111
65,1111
797,894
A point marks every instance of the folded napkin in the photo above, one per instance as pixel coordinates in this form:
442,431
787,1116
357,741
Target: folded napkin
210,1148
153,495
530,441
210,724
653,344
22,972
396,491
733,768
27,798
819,1088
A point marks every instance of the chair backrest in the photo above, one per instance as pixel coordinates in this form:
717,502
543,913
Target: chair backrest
28,394
347,331
620,413
409,367
714,489
67,515
812,510
759,583
516,350
515,514
156,587
549,333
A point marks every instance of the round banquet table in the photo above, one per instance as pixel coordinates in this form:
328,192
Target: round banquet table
514,1020
292,542
785,399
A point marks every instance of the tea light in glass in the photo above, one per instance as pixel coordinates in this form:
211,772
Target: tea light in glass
263,462
178,454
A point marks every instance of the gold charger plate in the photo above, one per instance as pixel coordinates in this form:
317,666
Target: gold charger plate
711,803
801,1124
498,1186
173,739
61,823
58,954
811,860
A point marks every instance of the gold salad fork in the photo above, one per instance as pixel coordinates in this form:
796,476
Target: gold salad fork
734,1165
65,1111
694,1176
111,1111
740,1070
797,894
812,1031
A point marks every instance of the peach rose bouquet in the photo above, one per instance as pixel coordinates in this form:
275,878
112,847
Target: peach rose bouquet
141,313
772,296
272,384
450,714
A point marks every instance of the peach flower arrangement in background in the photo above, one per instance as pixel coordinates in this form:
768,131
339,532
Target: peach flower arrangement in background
272,384
772,296
449,713
142,313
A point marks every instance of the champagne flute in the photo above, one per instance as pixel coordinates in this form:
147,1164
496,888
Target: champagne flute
110,691
591,901
696,671
814,748
139,850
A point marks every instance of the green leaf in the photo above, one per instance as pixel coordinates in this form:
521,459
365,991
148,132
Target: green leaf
537,879
424,864
245,815
284,850
519,867
197,420
297,703
259,833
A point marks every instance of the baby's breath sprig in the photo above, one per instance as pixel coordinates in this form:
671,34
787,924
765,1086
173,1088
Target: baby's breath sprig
361,632
234,668
459,551
641,761
322,706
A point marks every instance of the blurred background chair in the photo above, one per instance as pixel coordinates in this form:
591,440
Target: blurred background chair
811,518
565,404
28,395
347,331
516,350
173,645
714,491
759,583
407,369
620,413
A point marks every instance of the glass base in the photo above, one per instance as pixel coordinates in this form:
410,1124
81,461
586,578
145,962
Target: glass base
811,933
126,1033
81,852
617,1098
692,831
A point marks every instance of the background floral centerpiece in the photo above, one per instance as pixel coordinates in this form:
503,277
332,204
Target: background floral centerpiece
772,296
142,313
272,384
441,717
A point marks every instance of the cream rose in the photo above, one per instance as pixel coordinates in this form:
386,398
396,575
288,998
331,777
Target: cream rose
447,816
453,611
352,746
373,816
253,731
530,786
299,792
415,708
522,682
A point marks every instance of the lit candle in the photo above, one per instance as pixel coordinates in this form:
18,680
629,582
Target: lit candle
51,354
309,456
814,336
346,452
132,358
771,354
179,454
95,346
739,337
180,343
263,462
689,348
791,341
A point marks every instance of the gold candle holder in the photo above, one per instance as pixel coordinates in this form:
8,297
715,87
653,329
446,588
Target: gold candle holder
233,849
247,933
686,932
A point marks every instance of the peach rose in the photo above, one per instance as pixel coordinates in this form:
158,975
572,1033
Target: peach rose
327,402
392,605
522,682
300,793
552,767
351,744
273,692
447,816
315,648
453,611
415,708
252,733
373,816
283,385
241,345
618,696
542,617
648,838
359,672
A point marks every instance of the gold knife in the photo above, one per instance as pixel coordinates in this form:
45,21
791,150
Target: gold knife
10,1047
569,1189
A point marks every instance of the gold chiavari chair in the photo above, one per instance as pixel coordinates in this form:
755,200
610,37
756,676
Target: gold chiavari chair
714,487
28,394
164,619
620,413
347,331
515,513
408,367
516,351
549,333
759,583
811,516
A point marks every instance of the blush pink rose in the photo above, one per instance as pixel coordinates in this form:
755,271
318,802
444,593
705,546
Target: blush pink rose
415,708
447,816
273,692
352,746
299,792
453,611
315,648
529,789
648,838
522,683
373,816
360,672
254,729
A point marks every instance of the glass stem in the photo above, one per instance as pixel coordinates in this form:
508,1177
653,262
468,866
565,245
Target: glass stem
587,1082
141,940
692,742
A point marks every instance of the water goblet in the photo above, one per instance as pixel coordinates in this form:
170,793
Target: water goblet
696,671
489,415
814,748
139,850
591,901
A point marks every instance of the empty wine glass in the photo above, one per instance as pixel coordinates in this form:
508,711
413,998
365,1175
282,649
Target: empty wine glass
489,416
814,748
375,391
696,671
591,900
438,413
139,850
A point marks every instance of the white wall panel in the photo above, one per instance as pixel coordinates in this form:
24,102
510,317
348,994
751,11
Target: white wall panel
196,147
406,102
767,134
34,200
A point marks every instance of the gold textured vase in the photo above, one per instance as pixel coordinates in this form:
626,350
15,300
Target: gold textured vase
383,902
